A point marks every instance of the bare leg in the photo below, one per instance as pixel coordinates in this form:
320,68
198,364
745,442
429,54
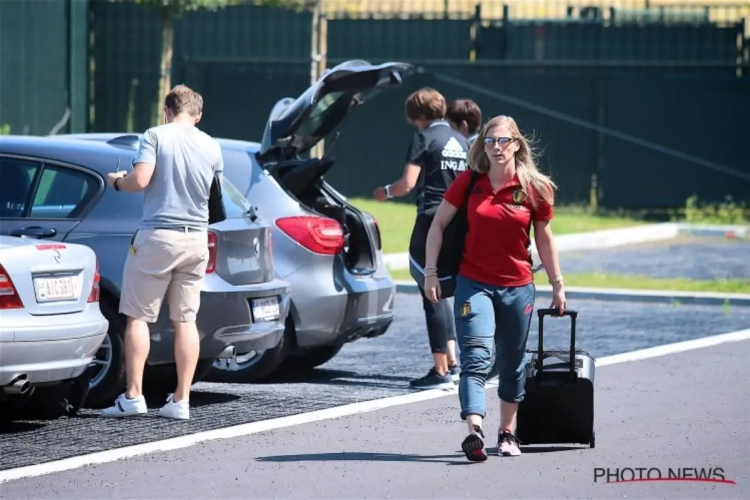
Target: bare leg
186,351
137,346
452,353
441,362
508,412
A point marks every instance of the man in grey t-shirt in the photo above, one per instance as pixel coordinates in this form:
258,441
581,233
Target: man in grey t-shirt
175,166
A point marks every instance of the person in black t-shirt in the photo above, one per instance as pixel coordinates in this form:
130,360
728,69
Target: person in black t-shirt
436,155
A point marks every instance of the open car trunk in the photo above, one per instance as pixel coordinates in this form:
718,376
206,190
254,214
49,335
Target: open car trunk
302,179
296,125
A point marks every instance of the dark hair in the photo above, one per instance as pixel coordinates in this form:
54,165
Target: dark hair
465,110
183,99
426,104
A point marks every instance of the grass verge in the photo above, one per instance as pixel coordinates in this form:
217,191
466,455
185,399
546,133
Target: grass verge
397,219
597,280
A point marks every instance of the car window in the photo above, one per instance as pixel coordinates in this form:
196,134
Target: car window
16,180
63,192
235,204
320,112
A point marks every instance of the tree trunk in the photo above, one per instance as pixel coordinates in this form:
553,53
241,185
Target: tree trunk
165,81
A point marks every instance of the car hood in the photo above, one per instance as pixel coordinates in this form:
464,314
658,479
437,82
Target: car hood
296,125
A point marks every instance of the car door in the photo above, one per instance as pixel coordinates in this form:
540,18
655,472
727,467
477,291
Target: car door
44,200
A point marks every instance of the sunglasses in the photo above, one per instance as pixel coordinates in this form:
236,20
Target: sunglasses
502,141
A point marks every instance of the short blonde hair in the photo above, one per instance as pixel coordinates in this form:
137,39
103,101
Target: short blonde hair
183,99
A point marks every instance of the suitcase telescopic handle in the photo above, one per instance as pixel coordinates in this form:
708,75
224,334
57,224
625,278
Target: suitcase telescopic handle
555,313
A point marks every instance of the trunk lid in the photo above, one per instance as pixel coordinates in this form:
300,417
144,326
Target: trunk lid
296,125
49,277
242,252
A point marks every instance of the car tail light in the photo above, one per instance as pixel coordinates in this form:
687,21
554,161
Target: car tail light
318,234
94,294
211,267
9,298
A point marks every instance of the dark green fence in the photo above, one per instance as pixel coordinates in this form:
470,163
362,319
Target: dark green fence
578,82
43,65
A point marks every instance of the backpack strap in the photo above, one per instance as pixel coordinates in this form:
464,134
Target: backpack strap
470,188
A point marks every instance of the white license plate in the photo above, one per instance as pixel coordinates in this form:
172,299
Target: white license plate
50,289
265,309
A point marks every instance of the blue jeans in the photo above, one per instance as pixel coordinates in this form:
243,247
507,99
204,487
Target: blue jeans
486,314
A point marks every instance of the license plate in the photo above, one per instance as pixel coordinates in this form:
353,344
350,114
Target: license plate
50,289
265,309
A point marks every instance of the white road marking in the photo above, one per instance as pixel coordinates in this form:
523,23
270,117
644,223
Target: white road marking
329,413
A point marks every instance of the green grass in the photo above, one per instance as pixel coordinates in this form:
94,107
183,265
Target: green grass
597,280
397,219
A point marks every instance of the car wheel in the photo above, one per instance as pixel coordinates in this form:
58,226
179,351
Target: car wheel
311,358
108,368
254,366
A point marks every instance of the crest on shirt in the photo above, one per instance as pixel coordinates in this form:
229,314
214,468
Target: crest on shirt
519,196
465,309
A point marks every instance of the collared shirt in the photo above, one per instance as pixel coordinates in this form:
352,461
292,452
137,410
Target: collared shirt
472,138
442,154
496,250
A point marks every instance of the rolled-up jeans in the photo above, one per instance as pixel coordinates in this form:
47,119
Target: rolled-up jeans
485,314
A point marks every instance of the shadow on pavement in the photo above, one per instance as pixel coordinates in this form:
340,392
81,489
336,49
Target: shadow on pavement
197,399
339,377
19,427
362,457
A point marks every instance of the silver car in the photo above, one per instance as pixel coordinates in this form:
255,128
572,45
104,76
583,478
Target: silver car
329,250
53,188
50,323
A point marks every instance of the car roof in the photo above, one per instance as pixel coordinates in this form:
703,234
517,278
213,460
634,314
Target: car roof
97,155
88,148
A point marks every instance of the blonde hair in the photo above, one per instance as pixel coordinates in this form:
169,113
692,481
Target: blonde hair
533,182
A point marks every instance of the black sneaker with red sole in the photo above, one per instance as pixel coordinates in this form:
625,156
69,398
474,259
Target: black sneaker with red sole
473,446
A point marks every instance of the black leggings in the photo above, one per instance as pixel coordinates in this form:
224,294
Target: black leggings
440,325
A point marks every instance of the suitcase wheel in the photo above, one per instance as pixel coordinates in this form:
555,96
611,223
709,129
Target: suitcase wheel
592,443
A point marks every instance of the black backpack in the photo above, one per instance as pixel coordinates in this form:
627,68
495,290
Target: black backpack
451,251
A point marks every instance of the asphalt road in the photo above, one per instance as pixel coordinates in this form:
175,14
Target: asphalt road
684,411
699,258
364,370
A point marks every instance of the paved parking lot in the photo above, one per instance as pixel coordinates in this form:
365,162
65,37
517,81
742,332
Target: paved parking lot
365,370
699,258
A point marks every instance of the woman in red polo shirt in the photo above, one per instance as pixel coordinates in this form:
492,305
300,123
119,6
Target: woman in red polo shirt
494,297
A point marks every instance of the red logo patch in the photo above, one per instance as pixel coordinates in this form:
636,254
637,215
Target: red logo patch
528,309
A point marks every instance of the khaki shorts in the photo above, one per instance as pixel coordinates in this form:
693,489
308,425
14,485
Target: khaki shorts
166,262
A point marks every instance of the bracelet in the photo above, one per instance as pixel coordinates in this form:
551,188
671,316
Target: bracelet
114,184
555,281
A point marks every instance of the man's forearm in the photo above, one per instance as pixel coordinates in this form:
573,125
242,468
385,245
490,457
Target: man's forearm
128,184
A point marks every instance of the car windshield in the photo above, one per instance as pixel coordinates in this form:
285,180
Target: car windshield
235,204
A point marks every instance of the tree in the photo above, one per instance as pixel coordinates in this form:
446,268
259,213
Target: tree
169,10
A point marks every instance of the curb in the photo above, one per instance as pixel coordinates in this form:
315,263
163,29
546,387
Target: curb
627,295
609,238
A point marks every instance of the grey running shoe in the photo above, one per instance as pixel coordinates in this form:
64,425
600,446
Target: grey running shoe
507,445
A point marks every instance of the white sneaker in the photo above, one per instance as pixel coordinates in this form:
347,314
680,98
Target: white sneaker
178,410
125,407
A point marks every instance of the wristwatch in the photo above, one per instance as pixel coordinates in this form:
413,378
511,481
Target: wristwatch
388,191
114,184
555,281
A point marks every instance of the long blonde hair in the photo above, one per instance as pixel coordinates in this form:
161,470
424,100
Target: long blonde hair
533,182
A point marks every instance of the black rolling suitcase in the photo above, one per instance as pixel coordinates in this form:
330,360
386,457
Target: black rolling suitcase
559,403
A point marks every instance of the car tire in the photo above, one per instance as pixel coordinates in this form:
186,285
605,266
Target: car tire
106,387
309,359
255,369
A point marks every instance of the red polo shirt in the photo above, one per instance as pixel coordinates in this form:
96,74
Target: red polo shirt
499,230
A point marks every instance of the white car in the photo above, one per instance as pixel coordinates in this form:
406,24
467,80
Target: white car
50,323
